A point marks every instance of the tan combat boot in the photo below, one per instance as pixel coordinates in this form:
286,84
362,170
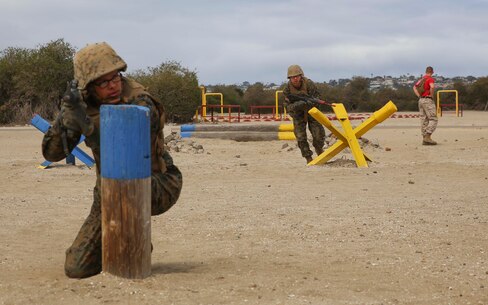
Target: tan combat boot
428,140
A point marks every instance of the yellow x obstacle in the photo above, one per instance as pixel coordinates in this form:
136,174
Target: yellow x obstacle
350,136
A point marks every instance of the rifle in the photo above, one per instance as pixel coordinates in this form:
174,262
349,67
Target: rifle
64,137
71,98
313,100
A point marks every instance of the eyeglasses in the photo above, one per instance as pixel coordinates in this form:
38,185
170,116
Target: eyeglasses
104,84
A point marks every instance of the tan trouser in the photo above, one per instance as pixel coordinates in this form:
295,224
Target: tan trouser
428,115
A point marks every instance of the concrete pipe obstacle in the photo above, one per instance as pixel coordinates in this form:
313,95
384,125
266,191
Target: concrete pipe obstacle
240,133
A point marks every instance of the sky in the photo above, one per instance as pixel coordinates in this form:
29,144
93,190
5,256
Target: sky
229,42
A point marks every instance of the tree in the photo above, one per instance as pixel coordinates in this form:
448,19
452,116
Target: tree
356,94
462,90
257,95
478,94
381,97
329,94
175,86
11,62
405,99
32,80
233,95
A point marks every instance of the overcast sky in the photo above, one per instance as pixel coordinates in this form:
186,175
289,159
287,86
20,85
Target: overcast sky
229,42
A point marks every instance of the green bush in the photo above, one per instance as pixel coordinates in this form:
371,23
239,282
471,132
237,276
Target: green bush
258,95
357,95
478,94
175,86
404,98
232,96
31,80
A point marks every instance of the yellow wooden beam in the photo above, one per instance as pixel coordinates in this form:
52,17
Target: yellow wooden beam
350,136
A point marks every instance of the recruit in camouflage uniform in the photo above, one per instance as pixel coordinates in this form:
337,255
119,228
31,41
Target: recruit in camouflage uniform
97,65
298,84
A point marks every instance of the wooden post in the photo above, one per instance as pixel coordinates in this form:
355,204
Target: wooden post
126,190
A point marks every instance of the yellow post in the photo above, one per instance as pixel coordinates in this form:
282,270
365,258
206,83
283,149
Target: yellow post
204,103
221,100
322,119
285,127
286,135
439,100
343,141
337,147
376,118
352,141
277,114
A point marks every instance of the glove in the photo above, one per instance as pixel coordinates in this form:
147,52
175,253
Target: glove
73,111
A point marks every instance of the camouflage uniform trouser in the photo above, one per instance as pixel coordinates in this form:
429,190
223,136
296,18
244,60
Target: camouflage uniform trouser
84,257
428,115
299,113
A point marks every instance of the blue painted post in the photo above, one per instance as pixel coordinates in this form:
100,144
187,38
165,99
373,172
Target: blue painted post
126,190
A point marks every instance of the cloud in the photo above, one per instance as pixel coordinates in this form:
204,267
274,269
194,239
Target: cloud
233,41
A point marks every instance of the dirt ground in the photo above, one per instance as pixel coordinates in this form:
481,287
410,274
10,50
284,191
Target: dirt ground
255,225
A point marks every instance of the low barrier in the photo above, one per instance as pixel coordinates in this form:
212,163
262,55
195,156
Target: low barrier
269,128
240,133
263,132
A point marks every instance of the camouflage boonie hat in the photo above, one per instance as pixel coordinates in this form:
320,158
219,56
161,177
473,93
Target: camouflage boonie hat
94,61
294,70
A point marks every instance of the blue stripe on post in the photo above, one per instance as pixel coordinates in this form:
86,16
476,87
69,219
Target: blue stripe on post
125,142
187,128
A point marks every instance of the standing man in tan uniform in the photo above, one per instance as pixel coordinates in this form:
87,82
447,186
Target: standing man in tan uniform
427,107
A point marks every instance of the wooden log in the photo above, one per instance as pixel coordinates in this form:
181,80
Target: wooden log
126,227
126,191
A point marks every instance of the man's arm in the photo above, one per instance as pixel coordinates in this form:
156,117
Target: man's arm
71,122
416,91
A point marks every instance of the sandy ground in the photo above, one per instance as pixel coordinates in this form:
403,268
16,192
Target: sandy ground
254,225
